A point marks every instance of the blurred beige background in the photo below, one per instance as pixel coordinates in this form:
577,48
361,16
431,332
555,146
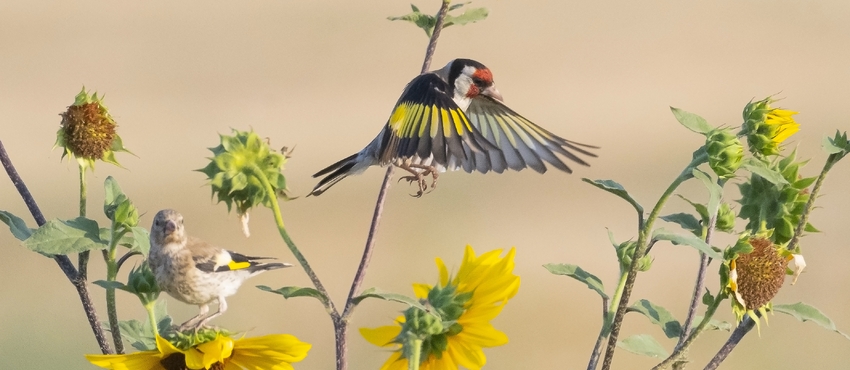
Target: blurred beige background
323,76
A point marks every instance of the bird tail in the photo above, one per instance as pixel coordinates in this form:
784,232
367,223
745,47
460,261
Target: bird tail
259,267
335,173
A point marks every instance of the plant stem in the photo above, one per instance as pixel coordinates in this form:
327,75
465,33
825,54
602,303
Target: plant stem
698,286
149,307
111,275
681,350
603,333
415,355
643,239
743,328
62,260
83,257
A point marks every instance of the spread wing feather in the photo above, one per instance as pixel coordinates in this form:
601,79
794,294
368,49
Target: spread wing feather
520,142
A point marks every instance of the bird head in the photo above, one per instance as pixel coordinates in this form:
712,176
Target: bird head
167,228
468,80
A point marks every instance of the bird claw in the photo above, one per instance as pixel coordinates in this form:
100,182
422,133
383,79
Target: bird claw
418,178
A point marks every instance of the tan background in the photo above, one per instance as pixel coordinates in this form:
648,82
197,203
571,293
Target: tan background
324,75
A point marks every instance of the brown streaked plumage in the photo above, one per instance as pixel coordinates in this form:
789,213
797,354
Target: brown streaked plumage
196,272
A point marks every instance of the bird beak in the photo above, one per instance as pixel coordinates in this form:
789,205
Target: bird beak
492,92
170,226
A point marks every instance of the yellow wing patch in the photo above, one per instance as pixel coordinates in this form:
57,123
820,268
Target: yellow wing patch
233,265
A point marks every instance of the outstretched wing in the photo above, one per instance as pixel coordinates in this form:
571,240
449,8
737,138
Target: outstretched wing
520,142
426,122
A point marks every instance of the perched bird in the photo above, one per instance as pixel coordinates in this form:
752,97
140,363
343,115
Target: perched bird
194,271
454,118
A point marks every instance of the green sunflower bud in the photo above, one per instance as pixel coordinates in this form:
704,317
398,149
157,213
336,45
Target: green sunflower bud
766,127
88,131
142,282
725,218
725,152
241,167
625,251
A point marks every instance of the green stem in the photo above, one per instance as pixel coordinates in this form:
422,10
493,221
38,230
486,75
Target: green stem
415,354
83,257
607,319
643,242
679,352
149,307
615,300
111,275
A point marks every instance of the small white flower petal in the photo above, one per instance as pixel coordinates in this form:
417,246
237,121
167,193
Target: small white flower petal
799,265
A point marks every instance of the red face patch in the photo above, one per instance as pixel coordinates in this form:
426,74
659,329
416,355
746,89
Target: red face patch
484,75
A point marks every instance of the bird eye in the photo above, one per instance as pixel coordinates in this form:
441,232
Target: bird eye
477,81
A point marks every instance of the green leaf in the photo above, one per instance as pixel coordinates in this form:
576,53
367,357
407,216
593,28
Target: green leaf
805,312
686,220
613,187
114,285
64,237
141,240
692,121
689,240
659,316
700,208
715,324
837,144
294,291
760,168
643,344
16,225
469,16
575,272
395,297
714,190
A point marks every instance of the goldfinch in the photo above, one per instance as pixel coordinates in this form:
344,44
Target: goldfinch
454,118
196,272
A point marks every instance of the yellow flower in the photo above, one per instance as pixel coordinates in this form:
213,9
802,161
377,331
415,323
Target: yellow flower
467,302
269,352
766,127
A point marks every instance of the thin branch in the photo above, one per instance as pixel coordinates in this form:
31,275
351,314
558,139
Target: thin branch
62,260
743,328
603,332
699,285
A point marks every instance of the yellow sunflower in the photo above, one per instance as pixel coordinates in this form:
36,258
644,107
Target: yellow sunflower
269,352
766,127
466,302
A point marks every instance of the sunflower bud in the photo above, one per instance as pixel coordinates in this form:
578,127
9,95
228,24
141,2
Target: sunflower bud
241,167
142,283
766,127
88,131
625,251
725,218
724,152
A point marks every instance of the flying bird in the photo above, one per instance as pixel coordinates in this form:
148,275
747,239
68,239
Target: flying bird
453,118
196,272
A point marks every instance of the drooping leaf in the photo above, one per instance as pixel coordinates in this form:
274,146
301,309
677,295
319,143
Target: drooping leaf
715,324
16,225
659,316
469,16
644,345
113,284
427,22
805,312
294,291
613,187
689,240
395,297
66,236
691,121
575,272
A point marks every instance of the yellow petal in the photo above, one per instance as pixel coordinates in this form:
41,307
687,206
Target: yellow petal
468,356
421,290
273,352
381,336
147,360
444,273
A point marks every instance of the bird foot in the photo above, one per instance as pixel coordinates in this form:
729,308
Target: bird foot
419,172
420,180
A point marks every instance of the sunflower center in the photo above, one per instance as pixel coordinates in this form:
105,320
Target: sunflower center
760,273
88,130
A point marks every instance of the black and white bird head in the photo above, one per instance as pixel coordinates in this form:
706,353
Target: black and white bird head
468,79
168,227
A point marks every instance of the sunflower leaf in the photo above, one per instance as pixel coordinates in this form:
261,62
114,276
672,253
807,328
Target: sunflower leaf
805,312
760,168
715,324
686,220
714,190
395,297
691,121
575,272
643,344
17,226
294,291
613,187
65,236
659,316
689,240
